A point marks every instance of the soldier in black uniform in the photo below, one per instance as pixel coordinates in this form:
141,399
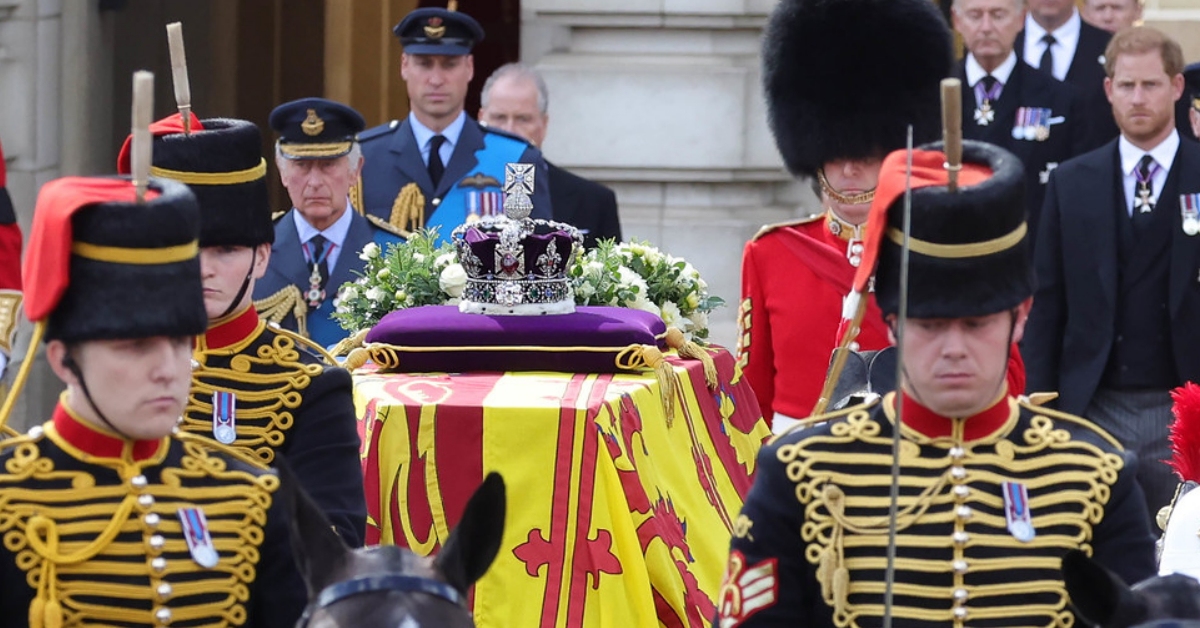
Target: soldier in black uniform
109,514
993,489
258,388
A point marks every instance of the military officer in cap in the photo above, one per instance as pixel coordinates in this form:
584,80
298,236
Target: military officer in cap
439,167
795,274
257,388
318,241
993,490
110,514
1187,112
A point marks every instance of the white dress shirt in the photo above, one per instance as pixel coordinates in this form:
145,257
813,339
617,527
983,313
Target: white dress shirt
424,135
1066,41
975,72
334,234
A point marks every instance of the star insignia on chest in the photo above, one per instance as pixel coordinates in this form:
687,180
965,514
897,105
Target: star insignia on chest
1143,204
984,114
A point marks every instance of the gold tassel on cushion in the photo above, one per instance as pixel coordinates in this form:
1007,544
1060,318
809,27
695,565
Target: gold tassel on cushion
383,355
688,349
639,356
350,342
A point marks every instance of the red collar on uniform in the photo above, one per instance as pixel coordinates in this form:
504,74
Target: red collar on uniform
933,425
98,442
232,330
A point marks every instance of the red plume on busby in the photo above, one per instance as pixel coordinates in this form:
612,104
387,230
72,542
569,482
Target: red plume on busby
845,78
1185,432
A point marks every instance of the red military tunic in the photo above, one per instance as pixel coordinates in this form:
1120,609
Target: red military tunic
794,277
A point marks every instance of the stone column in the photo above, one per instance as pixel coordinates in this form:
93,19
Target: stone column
661,100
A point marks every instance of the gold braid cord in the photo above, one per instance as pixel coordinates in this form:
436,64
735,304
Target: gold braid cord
952,538
10,305
278,306
73,529
408,210
268,375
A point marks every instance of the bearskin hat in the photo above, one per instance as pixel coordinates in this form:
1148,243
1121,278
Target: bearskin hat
845,78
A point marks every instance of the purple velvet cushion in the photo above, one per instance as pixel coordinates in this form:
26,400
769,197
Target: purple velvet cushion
440,338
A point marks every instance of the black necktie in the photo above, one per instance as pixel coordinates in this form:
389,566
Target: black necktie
989,82
1047,62
319,256
436,167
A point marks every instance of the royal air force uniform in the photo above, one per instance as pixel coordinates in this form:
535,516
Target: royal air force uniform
294,293
796,275
397,189
988,503
258,388
101,530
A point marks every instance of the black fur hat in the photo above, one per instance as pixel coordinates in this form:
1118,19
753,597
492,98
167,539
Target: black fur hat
107,267
845,78
969,249
223,164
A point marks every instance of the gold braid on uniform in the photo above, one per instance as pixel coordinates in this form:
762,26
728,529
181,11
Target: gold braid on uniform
272,385
62,527
408,210
278,306
841,479
10,303
862,198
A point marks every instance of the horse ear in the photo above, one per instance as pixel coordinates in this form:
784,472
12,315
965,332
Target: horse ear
474,544
319,552
1096,593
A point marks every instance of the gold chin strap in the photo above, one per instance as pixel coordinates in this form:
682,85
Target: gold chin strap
862,198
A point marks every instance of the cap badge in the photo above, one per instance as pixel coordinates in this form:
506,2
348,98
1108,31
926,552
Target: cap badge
434,28
313,124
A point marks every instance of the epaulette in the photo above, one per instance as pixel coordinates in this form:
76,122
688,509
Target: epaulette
232,452
866,404
378,131
384,225
10,437
317,350
275,216
1024,402
787,223
502,132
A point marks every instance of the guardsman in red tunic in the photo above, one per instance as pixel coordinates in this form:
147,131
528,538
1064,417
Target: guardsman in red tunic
10,269
843,83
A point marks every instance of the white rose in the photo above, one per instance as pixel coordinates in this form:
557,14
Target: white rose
586,291
383,274
453,279
671,316
444,259
418,257
374,294
369,252
348,293
453,301
643,304
699,320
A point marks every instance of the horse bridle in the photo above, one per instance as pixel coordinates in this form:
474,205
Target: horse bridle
339,591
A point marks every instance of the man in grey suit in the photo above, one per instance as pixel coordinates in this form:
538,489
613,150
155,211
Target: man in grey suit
438,167
515,99
1113,327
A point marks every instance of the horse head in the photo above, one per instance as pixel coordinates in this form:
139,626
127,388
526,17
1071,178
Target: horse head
1103,599
388,585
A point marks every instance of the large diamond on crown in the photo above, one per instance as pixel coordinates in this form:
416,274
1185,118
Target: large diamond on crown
517,265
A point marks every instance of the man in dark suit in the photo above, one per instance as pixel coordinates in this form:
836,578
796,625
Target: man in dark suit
1057,40
1113,326
1008,103
440,168
318,241
515,99
1187,110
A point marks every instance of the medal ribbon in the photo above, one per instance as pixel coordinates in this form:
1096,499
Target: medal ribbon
1144,178
985,95
1016,502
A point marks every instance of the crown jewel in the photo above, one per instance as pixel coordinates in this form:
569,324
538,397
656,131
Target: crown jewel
515,264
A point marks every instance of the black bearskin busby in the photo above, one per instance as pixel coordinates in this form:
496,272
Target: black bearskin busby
221,160
969,249
845,78
103,266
